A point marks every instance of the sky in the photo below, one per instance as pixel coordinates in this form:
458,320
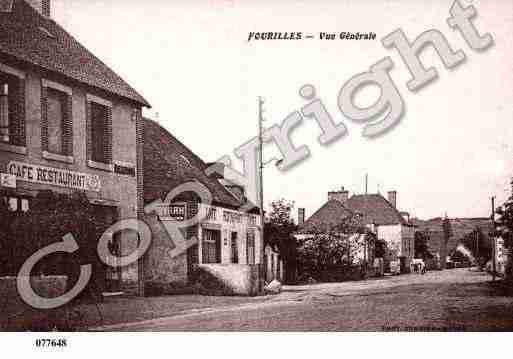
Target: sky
451,152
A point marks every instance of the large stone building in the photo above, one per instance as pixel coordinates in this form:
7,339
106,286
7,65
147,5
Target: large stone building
67,123
223,245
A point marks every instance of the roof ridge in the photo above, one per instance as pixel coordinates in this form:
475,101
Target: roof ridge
364,200
330,201
24,40
197,166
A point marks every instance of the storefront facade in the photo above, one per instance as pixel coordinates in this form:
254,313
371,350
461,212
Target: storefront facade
192,239
222,240
60,134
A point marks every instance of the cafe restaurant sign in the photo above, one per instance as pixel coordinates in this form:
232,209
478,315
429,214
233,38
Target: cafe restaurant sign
54,176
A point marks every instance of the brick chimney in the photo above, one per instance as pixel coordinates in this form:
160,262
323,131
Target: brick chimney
42,6
341,195
300,216
392,198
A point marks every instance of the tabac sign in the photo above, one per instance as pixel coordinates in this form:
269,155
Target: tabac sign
54,176
171,212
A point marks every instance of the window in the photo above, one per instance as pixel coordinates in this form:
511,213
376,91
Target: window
12,116
24,205
211,213
99,133
99,114
56,121
235,249
55,111
211,251
16,204
251,220
250,247
13,204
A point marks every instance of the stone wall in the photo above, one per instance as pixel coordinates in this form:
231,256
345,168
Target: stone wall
229,279
163,271
49,287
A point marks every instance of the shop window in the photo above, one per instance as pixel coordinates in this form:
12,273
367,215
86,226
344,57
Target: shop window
235,249
211,246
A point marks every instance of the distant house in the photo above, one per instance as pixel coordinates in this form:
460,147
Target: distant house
462,231
378,214
225,242
390,225
328,219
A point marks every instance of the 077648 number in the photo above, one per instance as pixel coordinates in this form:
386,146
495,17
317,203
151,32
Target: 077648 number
51,343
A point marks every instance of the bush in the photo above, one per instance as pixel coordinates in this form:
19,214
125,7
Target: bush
51,216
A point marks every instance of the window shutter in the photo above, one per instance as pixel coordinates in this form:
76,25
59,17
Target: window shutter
89,129
17,111
67,126
44,118
108,136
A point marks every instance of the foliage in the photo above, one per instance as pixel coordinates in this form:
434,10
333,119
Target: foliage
505,230
447,234
447,229
323,249
281,211
477,244
51,216
5,243
278,232
505,222
421,246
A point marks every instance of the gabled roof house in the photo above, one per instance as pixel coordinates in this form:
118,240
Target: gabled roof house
378,213
225,241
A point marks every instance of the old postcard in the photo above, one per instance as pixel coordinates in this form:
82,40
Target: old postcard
255,166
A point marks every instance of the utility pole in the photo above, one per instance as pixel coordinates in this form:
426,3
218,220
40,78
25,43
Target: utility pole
366,183
494,245
261,170
477,249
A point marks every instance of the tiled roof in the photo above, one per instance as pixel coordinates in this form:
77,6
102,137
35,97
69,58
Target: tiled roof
32,38
375,209
331,214
168,163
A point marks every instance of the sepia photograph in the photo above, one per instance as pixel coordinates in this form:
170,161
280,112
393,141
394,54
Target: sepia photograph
235,166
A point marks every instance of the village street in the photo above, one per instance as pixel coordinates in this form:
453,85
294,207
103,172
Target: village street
458,299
